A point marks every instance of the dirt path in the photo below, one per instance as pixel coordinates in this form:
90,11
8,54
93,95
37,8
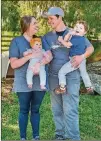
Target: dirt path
6,89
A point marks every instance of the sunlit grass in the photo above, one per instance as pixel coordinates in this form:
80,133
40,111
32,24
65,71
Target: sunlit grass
90,119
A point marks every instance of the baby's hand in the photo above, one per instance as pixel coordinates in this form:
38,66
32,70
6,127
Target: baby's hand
29,51
25,53
60,39
72,32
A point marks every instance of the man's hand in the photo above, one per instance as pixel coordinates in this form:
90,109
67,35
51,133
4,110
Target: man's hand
76,61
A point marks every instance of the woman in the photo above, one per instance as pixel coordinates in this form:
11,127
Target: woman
29,99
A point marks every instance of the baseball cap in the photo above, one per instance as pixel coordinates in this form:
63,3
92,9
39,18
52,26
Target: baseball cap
53,11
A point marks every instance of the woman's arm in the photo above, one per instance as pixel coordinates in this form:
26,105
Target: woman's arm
16,63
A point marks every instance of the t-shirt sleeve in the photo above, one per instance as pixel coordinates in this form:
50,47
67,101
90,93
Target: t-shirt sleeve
13,49
87,43
45,44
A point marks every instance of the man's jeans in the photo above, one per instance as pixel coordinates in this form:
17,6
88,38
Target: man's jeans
29,101
65,108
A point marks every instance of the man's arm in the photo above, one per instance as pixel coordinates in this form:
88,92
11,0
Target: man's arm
79,58
89,51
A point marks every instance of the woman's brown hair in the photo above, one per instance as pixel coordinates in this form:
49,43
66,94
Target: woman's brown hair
25,23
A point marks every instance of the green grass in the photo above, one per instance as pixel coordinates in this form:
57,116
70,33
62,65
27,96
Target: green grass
90,118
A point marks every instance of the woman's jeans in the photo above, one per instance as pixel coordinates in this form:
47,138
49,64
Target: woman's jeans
29,101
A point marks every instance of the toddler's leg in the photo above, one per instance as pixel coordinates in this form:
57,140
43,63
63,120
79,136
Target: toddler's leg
85,76
66,68
42,75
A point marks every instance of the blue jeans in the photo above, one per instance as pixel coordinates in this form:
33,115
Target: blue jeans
65,108
29,101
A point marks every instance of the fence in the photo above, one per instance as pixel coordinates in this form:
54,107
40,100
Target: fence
5,42
6,70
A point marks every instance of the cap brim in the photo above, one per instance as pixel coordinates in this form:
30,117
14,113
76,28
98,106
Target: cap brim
45,14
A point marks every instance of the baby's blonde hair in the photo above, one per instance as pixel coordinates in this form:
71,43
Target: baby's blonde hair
33,40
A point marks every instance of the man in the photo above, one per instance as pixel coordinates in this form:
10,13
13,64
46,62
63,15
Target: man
64,106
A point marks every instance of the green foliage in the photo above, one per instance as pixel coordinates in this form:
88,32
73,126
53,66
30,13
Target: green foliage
10,15
90,11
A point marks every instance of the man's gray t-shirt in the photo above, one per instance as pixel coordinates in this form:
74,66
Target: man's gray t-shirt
17,47
60,57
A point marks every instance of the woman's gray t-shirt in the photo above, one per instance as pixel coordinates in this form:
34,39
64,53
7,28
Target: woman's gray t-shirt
17,47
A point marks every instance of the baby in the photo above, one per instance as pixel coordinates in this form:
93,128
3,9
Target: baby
74,40
36,45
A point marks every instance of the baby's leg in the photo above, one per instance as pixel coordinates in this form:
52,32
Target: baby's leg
42,75
29,77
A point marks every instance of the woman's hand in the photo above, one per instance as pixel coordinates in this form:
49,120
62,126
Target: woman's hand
29,56
34,55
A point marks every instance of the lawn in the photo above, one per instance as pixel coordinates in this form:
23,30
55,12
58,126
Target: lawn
90,118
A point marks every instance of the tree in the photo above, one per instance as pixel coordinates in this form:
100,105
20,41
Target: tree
10,15
90,11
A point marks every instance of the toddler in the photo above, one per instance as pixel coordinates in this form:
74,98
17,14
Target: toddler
74,40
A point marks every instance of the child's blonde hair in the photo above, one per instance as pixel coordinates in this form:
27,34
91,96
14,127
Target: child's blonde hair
84,23
33,40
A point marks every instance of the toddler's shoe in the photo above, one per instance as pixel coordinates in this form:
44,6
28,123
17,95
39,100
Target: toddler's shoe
90,90
60,90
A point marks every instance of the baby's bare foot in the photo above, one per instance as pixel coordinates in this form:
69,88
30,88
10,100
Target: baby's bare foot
43,87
